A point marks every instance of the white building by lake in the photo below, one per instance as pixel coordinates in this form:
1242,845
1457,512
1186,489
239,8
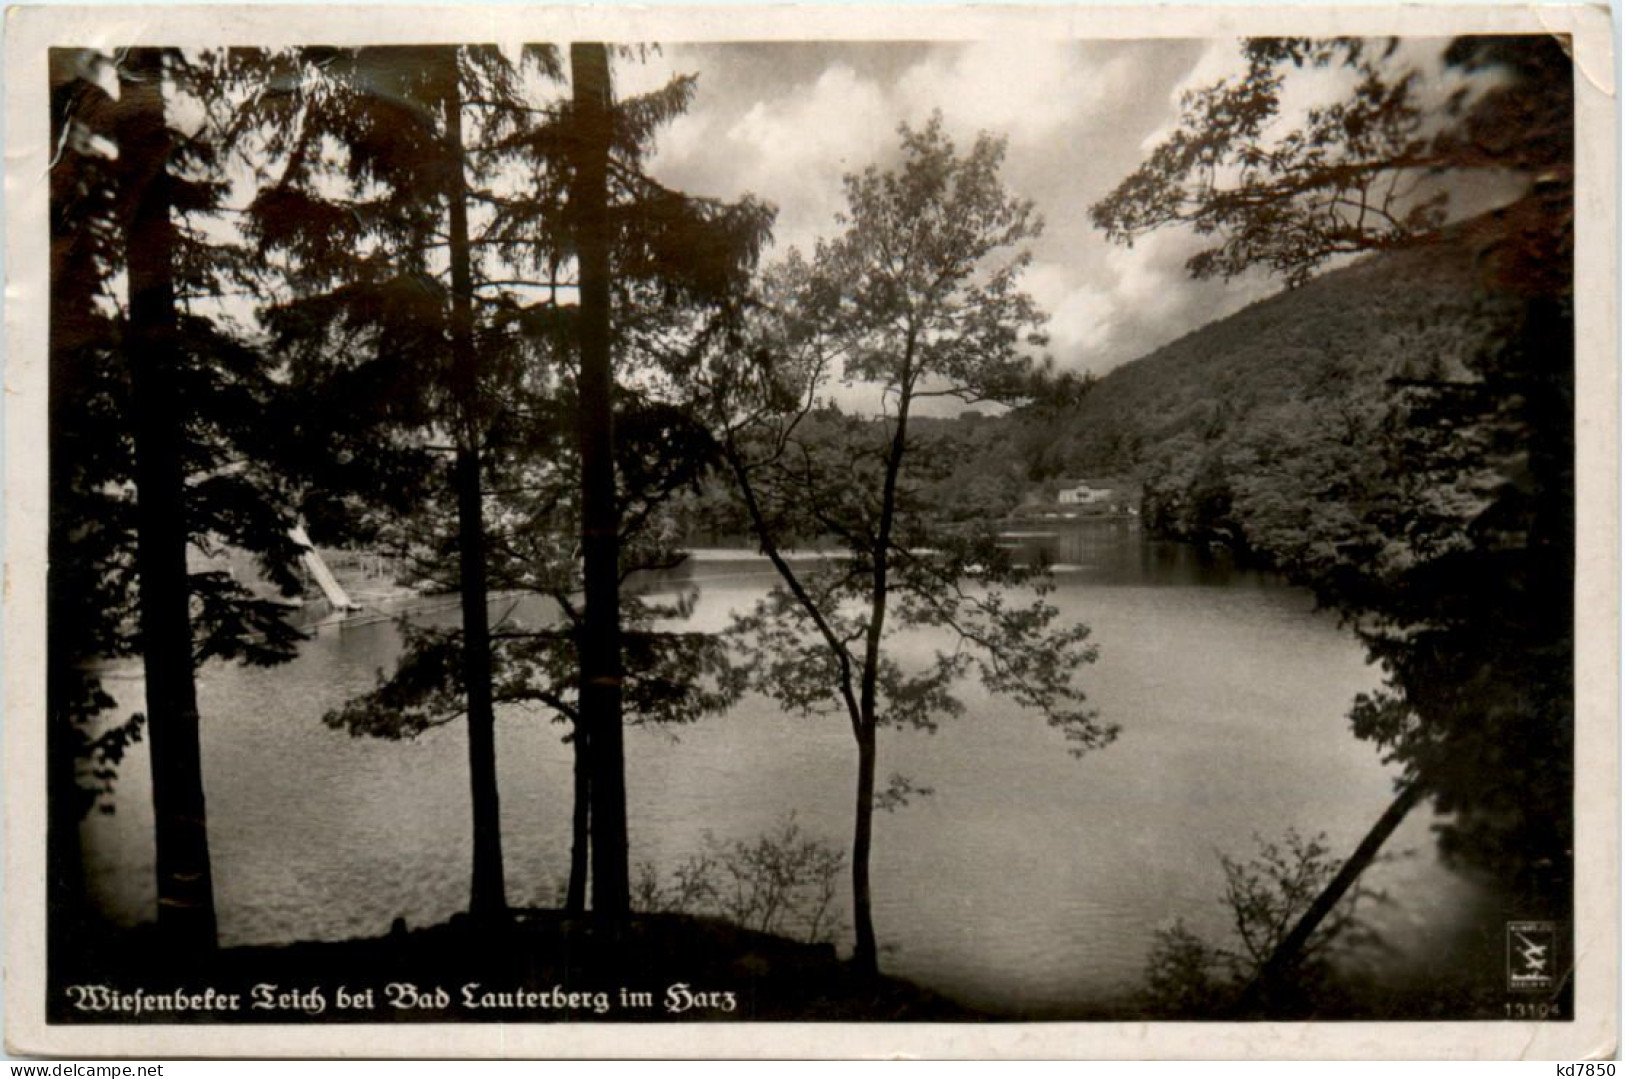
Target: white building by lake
1083,494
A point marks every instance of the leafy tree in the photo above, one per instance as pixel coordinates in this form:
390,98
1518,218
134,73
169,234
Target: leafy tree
917,299
1355,175
1456,570
154,403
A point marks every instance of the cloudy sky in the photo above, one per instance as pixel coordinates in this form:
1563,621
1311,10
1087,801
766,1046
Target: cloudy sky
785,122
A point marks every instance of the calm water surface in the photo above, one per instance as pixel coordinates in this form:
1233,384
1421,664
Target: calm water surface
1030,881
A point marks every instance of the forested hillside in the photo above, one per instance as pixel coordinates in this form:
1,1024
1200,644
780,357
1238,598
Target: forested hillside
1266,430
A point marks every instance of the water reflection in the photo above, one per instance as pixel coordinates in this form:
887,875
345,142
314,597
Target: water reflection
1029,883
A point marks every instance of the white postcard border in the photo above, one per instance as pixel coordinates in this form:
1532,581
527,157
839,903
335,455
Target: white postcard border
1593,1032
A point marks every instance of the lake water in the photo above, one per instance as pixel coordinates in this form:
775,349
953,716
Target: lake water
1029,882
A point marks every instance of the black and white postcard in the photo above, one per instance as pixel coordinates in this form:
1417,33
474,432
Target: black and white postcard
846,531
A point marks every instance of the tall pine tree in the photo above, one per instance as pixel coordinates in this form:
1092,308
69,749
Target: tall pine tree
155,397
375,208
656,270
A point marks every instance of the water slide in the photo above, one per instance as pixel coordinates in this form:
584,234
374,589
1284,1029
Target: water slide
335,593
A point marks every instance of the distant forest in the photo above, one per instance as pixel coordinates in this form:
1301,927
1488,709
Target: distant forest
1267,433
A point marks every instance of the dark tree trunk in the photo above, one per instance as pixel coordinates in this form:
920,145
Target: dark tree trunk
65,885
600,695
865,952
575,900
1287,953
64,857
185,889
488,900
73,278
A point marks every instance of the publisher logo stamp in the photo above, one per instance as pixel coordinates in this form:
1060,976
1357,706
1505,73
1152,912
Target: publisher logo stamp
1531,955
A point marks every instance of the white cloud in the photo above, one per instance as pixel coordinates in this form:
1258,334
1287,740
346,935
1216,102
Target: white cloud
1220,60
791,149
1028,90
1148,277
1081,316
792,142
828,129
